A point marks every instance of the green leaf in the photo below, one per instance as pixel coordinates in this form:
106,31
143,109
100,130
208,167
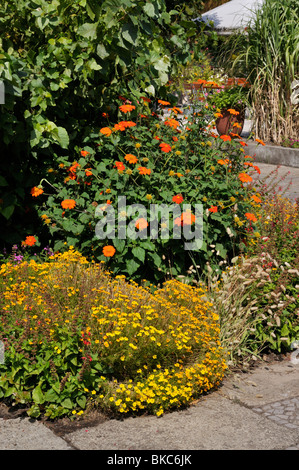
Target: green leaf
131,266
139,253
149,9
129,33
67,403
102,51
88,30
37,395
3,181
60,134
81,401
7,211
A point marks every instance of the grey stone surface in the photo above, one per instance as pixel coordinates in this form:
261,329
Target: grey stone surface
25,434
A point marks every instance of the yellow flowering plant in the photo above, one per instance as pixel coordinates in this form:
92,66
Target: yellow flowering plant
76,338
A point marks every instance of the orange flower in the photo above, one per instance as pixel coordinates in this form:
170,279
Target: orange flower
256,199
218,115
179,175
178,199
176,110
122,125
126,108
223,162
244,144
109,251
233,111
36,191
29,241
131,158
84,153
225,138
257,169
186,219
144,171
106,131
119,166
141,224
260,141
88,172
213,209
165,147
171,123
164,103
250,217
245,178
236,124
68,204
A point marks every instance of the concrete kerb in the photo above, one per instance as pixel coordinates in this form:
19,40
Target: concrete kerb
274,155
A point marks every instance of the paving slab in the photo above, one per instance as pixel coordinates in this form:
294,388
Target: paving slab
27,434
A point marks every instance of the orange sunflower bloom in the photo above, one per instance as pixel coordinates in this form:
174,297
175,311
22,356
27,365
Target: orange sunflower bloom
84,153
233,111
178,199
225,138
144,171
29,241
36,191
108,251
165,147
88,172
250,217
141,224
127,108
213,209
68,204
131,158
256,199
245,178
106,131
164,103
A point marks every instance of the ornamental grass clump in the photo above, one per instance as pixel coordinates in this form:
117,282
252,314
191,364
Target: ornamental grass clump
77,338
153,156
257,296
268,56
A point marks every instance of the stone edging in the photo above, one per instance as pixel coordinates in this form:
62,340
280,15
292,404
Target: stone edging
273,155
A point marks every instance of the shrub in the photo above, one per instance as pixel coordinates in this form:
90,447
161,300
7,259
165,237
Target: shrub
76,338
149,160
61,63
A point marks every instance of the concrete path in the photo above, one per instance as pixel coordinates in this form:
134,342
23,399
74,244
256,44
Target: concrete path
285,179
255,410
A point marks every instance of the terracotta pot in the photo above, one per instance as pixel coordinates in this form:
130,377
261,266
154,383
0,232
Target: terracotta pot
225,124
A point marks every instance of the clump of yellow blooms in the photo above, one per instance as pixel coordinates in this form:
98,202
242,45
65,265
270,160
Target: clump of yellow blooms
160,350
